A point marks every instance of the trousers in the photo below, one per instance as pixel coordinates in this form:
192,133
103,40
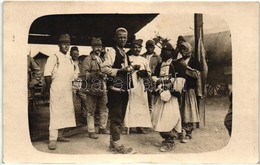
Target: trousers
117,103
92,104
55,133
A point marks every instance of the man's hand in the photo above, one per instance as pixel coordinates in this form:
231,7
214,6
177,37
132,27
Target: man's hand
126,70
32,83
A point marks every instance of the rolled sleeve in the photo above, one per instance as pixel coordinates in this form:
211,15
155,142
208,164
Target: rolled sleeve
50,64
106,67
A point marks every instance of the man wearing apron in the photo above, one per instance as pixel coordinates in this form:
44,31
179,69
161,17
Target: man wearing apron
59,73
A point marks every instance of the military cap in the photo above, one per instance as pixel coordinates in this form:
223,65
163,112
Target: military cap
64,38
96,41
138,42
74,48
150,43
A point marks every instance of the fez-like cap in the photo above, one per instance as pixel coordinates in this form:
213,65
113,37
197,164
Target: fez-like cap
64,38
96,41
150,43
138,42
186,47
121,29
181,39
74,48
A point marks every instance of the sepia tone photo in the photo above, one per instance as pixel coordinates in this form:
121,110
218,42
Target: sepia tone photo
140,83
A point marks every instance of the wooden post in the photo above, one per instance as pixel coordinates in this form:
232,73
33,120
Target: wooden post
198,32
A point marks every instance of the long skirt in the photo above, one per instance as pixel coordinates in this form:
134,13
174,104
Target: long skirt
190,109
166,115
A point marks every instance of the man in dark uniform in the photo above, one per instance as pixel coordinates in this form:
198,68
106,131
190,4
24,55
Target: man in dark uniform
117,66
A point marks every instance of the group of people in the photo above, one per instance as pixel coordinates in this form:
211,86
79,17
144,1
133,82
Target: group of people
132,90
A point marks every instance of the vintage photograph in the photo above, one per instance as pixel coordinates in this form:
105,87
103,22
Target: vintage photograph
125,83
130,82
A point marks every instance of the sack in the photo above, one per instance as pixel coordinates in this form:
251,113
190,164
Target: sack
165,95
95,85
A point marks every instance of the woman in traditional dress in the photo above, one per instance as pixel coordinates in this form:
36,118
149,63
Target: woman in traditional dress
166,116
191,68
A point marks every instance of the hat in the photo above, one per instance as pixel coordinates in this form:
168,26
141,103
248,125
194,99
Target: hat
180,39
121,29
96,41
74,48
186,47
168,46
64,38
138,42
150,43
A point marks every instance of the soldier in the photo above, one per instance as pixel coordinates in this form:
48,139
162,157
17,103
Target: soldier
59,74
95,97
79,92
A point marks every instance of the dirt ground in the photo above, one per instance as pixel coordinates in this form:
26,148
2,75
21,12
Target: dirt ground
213,136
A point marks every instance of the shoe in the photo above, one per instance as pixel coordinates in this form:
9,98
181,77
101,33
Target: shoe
141,130
123,130
121,149
103,131
52,145
167,146
63,139
93,135
183,139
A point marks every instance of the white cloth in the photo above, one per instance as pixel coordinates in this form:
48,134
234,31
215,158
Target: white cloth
166,115
110,57
148,57
165,67
62,113
76,72
137,111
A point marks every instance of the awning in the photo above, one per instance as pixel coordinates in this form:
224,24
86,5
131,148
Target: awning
81,27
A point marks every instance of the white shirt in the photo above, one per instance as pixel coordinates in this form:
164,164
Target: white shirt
51,63
148,57
110,57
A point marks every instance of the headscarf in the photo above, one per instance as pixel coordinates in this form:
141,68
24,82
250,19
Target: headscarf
186,47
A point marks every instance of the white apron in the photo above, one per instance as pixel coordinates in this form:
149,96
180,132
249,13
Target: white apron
62,113
166,116
137,111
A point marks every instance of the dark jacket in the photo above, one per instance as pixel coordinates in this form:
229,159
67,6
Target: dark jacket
191,83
